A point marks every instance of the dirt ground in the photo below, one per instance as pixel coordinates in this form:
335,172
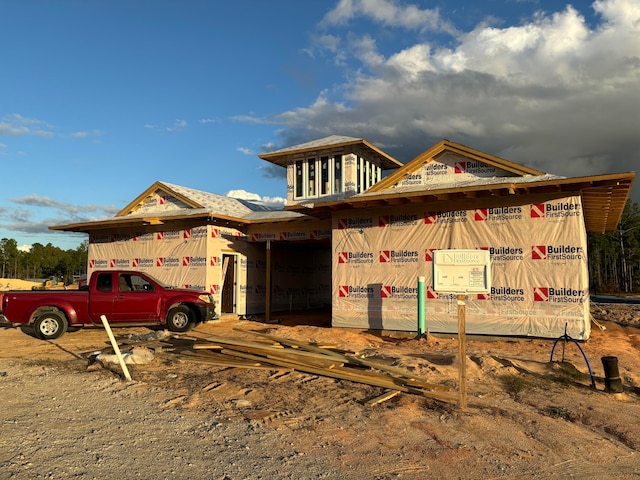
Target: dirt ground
526,416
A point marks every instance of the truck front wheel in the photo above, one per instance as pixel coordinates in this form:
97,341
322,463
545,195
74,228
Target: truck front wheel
180,319
50,325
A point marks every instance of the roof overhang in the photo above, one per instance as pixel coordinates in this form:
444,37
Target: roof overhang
603,197
151,222
387,162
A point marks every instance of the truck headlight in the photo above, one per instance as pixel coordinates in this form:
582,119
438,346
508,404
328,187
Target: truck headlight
207,298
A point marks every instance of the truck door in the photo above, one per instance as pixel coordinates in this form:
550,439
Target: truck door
135,299
101,297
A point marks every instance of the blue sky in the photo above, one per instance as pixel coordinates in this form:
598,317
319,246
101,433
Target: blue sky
99,99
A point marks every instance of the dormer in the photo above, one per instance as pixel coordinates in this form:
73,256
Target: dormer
333,167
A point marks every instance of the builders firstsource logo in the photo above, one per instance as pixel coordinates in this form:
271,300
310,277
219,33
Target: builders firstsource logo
167,262
397,220
557,252
507,294
119,263
399,256
558,295
505,253
498,214
357,222
142,262
172,235
476,168
555,210
355,257
355,291
411,179
401,291
97,263
194,261
262,237
432,218
199,232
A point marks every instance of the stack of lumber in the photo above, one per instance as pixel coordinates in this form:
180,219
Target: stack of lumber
273,352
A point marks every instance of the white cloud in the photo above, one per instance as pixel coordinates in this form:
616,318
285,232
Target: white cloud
553,93
177,126
16,125
271,202
86,134
245,151
389,13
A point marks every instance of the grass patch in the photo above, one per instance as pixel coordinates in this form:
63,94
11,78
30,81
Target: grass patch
515,383
558,412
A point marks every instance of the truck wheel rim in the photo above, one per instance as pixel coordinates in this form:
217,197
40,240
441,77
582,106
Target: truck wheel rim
48,326
180,320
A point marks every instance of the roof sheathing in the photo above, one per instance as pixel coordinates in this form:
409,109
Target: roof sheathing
202,206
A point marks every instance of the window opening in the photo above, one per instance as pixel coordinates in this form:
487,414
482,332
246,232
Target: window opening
337,174
299,179
324,175
311,167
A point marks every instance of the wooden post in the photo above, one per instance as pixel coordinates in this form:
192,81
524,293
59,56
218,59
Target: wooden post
267,313
462,352
114,344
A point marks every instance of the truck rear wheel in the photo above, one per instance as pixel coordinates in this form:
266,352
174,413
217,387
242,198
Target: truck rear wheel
180,319
50,325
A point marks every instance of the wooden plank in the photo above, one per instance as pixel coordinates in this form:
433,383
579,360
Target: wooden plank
206,346
240,342
382,398
292,357
292,343
353,360
341,374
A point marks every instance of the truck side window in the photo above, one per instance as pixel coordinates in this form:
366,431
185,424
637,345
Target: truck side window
124,283
104,282
140,284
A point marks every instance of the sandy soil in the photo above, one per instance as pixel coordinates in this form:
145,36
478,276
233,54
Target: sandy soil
526,416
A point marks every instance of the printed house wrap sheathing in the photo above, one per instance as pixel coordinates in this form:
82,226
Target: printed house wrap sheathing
538,264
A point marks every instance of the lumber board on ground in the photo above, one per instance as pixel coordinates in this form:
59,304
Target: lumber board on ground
341,374
382,398
225,361
288,355
293,343
215,339
207,346
422,381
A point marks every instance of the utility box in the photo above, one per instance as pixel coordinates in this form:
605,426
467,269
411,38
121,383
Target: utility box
462,271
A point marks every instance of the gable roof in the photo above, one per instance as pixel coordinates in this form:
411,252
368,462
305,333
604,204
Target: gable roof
280,157
446,146
603,196
191,204
195,199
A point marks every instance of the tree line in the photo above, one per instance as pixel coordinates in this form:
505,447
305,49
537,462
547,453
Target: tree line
613,258
42,261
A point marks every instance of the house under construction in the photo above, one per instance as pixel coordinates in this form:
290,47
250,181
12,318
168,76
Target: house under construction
353,241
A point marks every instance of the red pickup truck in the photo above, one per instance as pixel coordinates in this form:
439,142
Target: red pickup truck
124,297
